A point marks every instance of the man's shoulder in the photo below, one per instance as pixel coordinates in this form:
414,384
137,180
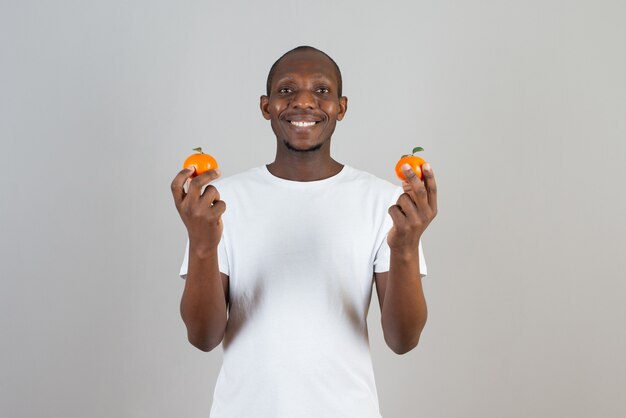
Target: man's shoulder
361,178
241,179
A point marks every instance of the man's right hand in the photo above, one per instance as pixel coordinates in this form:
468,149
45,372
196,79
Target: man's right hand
201,211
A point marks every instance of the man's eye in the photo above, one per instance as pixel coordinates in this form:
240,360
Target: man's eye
284,90
323,90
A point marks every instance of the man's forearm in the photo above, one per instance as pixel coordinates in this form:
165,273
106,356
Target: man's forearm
404,309
203,304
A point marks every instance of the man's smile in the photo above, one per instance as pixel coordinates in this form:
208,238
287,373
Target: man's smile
302,123
302,126
302,120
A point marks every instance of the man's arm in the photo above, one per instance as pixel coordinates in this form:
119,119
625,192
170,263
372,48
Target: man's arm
402,304
400,294
204,302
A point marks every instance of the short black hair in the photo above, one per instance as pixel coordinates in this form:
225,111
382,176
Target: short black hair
270,75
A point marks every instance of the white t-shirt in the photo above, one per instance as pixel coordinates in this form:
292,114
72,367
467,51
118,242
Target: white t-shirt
300,257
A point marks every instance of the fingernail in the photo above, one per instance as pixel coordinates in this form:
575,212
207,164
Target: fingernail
406,167
191,168
218,172
426,167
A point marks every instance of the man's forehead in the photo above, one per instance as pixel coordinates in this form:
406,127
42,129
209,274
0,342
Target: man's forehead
311,63
294,75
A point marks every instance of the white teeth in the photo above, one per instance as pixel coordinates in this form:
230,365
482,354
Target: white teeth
297,123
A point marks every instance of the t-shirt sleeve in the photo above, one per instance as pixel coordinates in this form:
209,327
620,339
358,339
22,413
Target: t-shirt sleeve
184,266
381,263
222,259
382,258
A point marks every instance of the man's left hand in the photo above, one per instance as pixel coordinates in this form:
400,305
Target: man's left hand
414,210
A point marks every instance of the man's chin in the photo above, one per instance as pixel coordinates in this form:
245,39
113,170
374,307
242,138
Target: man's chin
312,148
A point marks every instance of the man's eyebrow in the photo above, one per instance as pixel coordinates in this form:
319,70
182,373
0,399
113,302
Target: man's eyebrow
284,78
316,77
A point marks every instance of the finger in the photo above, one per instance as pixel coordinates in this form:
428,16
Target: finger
210,195
415,188
397,216
408,189
218,208
199,182
408,206
178,184
431,186
411,176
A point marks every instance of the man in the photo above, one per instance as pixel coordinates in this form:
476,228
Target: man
294,257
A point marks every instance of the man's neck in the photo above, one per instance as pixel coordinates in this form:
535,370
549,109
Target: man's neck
304,166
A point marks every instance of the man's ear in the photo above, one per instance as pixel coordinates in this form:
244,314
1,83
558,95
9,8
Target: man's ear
343,105
265,103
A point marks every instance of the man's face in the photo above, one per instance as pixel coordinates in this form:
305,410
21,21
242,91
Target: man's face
304,105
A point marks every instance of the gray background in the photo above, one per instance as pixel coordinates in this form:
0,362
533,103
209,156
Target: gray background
521,107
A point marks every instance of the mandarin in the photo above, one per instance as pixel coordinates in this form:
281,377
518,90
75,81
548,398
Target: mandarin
201,161
414,161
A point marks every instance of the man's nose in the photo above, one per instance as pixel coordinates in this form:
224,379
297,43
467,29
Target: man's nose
304,99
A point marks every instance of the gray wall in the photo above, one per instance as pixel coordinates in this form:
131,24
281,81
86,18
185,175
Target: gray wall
521,109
